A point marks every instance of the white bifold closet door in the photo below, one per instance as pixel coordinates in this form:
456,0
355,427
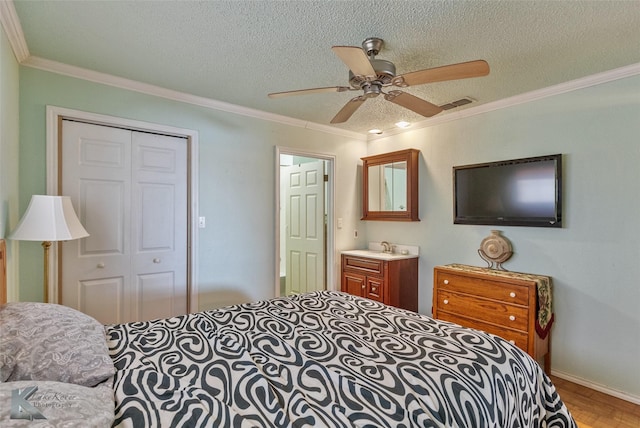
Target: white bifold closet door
129,189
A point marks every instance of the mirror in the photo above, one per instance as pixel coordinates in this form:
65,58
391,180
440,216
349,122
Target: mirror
390,186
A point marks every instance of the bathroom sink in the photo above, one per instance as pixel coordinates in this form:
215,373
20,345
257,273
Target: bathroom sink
379,254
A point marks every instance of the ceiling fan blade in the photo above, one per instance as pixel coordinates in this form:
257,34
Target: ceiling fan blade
310,91
349,108
413,103
355,59
462,70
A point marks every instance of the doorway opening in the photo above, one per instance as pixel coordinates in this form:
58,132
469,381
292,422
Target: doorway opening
304,222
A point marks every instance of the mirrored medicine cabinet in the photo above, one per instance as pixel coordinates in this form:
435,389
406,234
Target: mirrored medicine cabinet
390,186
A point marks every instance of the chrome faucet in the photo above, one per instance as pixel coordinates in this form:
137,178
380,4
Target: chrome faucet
387,247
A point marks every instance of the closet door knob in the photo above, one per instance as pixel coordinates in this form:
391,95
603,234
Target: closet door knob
512,317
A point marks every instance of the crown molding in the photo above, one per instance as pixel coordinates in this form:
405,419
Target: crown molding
132,85
572,85
13,30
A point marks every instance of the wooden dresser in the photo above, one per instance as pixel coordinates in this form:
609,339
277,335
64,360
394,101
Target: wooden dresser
393,281
498,302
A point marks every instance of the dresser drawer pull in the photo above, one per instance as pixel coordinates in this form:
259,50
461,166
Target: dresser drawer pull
513,342
446,301
512,294
512,317
446,281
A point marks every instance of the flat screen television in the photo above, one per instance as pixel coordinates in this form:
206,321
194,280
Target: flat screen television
518,192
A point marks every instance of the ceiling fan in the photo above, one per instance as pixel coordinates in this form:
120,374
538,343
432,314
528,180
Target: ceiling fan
370,75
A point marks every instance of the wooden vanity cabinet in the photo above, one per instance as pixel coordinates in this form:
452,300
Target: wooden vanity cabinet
500,305
393,282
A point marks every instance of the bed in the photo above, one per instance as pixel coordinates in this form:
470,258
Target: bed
322,359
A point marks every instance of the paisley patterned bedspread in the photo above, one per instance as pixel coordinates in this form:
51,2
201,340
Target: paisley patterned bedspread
324,359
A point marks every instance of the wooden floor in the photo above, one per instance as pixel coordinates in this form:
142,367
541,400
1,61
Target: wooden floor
593,409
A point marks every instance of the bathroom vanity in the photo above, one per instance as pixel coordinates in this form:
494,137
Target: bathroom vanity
388,278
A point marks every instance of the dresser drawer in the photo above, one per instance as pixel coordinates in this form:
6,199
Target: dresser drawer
518,338
497,290
366,266
491,311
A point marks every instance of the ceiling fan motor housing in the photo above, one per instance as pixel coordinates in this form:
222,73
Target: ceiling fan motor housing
385,72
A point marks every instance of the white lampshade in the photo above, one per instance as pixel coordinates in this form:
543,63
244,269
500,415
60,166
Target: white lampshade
49,218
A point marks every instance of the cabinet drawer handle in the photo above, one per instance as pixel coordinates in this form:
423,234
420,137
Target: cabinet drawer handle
512,294
446,301
512,317
446,281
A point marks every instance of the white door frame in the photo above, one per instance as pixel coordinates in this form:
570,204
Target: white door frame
330,244
54,128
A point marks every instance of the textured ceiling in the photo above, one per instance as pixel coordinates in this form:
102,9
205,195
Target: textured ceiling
239,51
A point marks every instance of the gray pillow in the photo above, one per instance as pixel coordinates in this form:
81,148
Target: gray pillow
44,341
56,404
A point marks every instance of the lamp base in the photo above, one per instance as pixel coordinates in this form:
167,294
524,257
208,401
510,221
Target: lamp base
46,245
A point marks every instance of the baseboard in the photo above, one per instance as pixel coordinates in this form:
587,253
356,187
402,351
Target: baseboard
600,388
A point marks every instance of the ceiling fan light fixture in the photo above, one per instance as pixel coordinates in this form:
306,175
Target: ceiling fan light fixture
403,124
371,90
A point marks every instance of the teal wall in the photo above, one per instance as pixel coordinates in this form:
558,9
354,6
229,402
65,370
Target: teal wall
594,259
9,141
236,178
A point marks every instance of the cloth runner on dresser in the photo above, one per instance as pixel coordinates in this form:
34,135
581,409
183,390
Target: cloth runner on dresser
545,317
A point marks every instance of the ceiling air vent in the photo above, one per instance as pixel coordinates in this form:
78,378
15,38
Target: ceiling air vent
458,103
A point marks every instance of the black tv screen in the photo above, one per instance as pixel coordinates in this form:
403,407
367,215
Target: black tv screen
518,192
